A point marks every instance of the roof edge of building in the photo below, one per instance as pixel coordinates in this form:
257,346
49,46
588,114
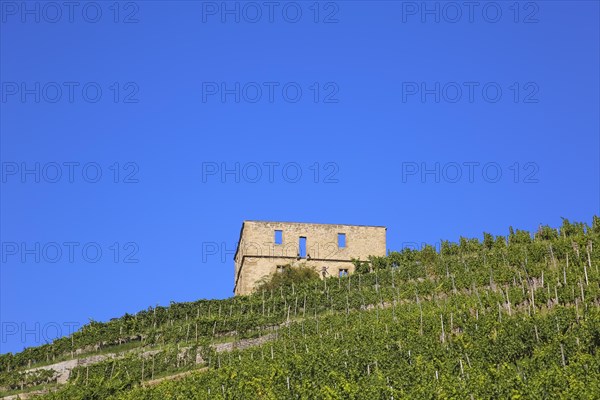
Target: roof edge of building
310,223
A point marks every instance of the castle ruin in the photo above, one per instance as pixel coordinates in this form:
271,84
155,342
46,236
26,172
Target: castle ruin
265,248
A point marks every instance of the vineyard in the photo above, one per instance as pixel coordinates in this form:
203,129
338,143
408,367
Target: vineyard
514,316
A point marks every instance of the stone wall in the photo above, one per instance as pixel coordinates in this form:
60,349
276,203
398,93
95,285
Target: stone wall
258,256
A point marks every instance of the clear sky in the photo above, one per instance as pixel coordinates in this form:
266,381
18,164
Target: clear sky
137,136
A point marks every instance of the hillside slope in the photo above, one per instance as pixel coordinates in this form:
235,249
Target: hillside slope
509,317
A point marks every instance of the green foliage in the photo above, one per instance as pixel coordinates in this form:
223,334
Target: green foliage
290,275
361,267
488,240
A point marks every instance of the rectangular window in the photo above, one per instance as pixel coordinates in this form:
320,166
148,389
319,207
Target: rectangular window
343,272
278,237
341,240
302,247
280,268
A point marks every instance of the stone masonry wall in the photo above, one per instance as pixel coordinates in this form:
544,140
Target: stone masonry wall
258,256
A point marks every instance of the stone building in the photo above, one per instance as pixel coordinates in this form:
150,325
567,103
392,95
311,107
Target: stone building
266,247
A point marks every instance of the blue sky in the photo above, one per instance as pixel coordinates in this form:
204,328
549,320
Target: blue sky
136,138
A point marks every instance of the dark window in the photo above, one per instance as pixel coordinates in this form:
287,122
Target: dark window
343,272
302,247
341,240
278,237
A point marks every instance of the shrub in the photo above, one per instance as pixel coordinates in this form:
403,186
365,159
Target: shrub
289,275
